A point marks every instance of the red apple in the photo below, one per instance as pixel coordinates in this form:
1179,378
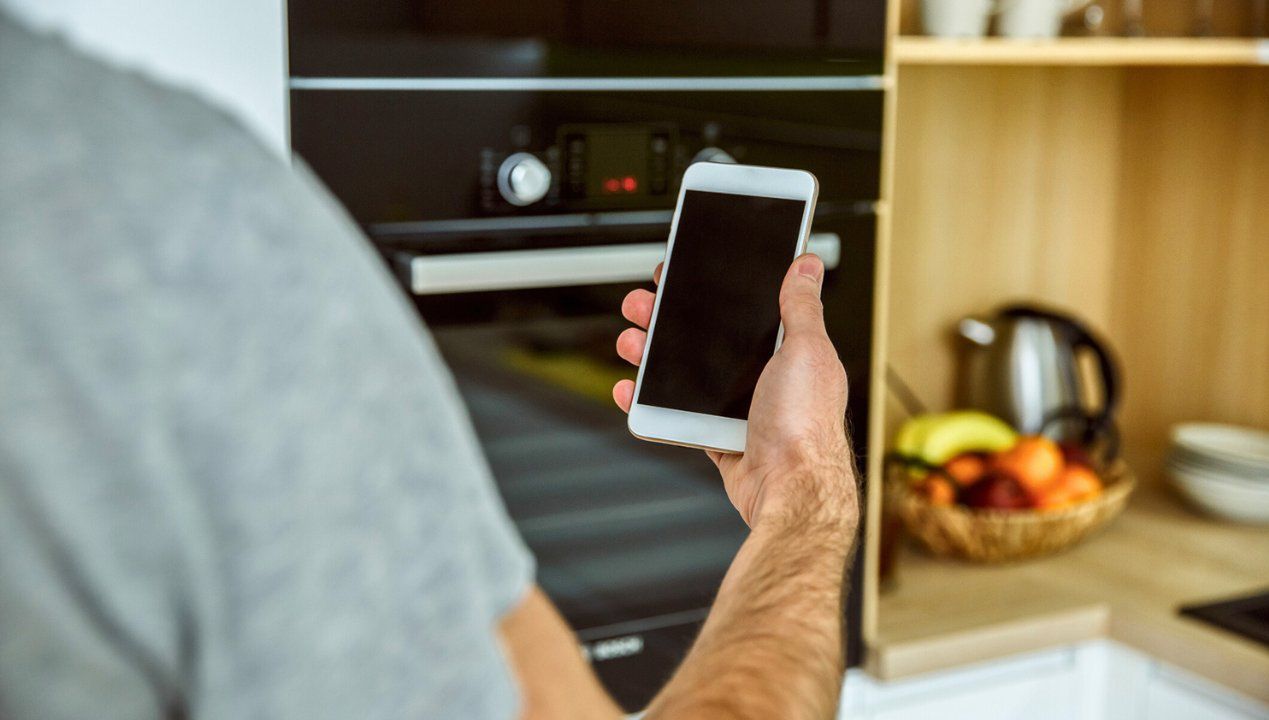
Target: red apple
996,491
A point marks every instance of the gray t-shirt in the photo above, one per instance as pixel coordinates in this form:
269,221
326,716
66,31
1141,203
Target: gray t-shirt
236,480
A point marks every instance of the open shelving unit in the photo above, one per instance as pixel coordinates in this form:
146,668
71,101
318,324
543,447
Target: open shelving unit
1123,179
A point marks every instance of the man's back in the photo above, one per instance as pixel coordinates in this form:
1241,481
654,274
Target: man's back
234,476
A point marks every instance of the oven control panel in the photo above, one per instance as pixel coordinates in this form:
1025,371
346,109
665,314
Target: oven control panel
587,167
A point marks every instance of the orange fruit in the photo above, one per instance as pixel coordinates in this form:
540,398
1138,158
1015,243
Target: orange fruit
1081,482
1075,484
1035,461
1054,498
966,469
938,490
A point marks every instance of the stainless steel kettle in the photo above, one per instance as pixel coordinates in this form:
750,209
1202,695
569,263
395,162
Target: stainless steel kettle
1022,366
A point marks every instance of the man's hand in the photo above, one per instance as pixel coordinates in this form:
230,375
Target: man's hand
772,644
797,460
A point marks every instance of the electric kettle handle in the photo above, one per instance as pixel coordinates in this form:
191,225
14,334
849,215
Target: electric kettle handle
1108,368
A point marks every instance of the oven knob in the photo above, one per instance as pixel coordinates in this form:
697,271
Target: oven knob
523,179
713,154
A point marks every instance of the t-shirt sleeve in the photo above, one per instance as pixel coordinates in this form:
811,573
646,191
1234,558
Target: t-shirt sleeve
506,565
497,553
503,565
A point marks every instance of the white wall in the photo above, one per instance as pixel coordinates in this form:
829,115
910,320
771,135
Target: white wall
233,52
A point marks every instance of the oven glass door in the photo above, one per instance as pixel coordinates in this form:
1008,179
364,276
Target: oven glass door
632,538
622,529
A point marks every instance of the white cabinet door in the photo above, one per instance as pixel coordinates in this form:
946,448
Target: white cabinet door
1039,686
1096,680
1046,698
1171,695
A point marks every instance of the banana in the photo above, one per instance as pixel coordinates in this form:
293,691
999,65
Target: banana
965,431
938,437
911,434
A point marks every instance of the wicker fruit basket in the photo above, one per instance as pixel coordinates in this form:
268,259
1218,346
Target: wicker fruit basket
992,536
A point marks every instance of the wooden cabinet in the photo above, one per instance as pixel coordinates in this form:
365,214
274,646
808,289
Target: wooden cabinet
1126,180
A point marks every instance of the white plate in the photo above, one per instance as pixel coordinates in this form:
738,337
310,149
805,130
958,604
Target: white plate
1244,471
1245,447
1215,472
1241,502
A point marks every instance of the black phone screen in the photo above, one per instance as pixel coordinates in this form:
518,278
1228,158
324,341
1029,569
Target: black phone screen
719,316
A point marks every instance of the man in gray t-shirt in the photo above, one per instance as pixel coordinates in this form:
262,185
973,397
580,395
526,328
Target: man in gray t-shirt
236,480
229,457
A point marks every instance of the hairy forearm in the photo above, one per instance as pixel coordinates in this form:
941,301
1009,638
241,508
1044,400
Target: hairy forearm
772,645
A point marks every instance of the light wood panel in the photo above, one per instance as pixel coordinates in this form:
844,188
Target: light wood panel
1005,189
1082,51
1136,197
1191,298
877,392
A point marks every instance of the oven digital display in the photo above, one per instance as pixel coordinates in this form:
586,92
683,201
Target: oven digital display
615,162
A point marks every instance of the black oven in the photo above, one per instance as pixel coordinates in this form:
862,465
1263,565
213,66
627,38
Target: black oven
519,175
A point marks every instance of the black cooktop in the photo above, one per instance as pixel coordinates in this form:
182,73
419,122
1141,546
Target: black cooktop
1247,615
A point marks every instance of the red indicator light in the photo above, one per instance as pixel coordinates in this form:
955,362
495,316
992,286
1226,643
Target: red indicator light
629,184
612,185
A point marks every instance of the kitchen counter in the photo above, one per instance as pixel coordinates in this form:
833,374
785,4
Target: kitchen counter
1124,584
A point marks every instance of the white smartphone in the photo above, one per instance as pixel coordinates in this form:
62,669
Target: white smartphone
716,319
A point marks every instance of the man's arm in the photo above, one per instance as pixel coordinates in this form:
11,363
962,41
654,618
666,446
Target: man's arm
555,681
771,648
772,645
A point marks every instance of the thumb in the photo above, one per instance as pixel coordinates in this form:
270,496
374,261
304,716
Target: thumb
800,306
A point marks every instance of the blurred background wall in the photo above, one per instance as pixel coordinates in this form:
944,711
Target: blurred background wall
232,52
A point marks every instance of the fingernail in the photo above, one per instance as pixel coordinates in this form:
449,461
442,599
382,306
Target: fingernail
810,267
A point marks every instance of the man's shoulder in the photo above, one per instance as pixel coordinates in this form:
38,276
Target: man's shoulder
107,168
105,136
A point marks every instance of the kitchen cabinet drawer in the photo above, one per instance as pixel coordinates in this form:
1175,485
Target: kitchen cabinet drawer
1041,698
1171,695
1037,686
1096,680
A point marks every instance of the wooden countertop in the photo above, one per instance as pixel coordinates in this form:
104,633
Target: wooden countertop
1124,584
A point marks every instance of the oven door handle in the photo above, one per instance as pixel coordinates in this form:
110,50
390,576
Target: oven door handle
555,267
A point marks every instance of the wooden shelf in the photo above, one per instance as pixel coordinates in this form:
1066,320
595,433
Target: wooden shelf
1132,196
913,50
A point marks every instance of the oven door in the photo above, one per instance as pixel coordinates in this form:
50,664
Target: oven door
632,538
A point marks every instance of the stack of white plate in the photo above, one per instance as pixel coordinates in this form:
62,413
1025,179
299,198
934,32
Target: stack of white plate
1222,469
